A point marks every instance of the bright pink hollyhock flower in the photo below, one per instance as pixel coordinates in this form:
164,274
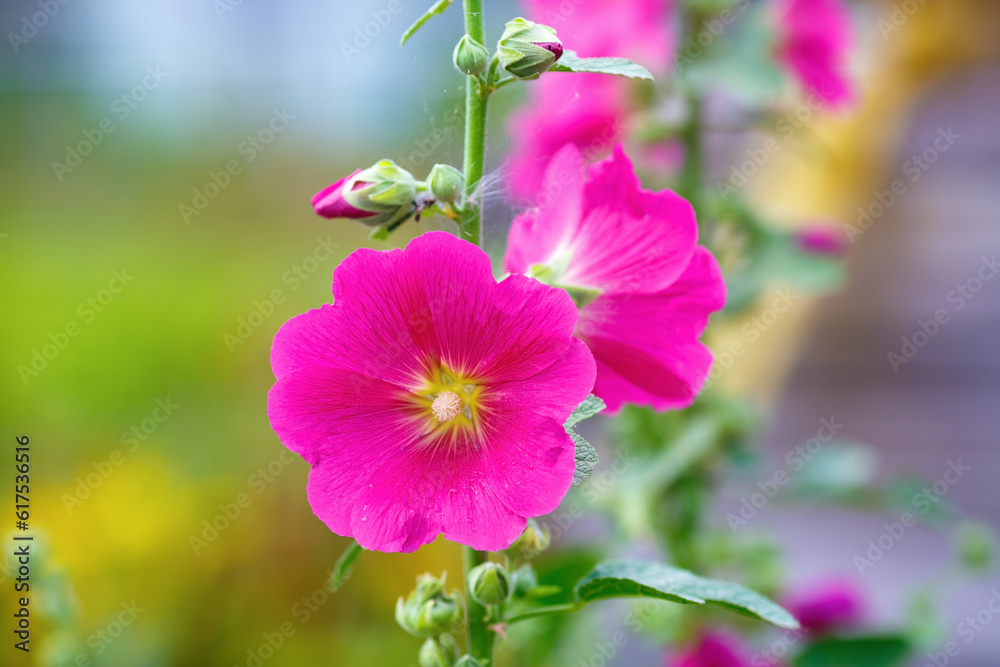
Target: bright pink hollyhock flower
431,399
822,239
631,255
712,650
330,203
816,36
831,605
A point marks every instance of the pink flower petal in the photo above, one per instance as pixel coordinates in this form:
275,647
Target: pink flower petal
646,345
555,391
319,411
654,232
484,329
536,235
423,491
622,239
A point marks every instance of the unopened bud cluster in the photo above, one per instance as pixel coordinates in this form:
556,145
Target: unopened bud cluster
428,611
526,49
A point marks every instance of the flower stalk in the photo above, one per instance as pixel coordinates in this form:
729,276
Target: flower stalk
476,97
479,636
692,170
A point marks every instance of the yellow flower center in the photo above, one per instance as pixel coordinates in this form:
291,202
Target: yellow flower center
449,402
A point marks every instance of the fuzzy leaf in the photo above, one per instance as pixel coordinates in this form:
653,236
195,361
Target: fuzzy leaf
586,455
437,8
570,62
586,458
590,407
629,578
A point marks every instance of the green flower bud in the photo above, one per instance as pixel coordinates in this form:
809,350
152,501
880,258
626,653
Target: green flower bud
976,545
527,49
384,189
489,584
438,615
428,611
445,182
429,586
468,661
440,652
533,541
470,56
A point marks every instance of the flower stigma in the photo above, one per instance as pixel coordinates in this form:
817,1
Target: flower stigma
446,406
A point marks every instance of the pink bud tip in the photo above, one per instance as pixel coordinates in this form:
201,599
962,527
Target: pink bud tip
330,203
554,47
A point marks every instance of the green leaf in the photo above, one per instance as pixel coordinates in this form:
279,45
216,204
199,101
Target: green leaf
629,578
570,62
586,455
887,651
437,8
586,458
590,407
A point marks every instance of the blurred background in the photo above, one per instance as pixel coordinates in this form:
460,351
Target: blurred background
155,231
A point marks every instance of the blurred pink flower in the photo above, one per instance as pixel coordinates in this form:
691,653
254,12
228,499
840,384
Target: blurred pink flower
816,36
822,239
827,606
589,110
662,157
330,203
712,650
431,399
631,255
636,29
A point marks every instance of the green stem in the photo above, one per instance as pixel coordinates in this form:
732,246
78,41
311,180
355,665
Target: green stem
568,608
503,82
345,565
479,636
476,96
692,171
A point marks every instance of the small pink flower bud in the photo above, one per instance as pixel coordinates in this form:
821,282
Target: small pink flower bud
821,239
330,203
